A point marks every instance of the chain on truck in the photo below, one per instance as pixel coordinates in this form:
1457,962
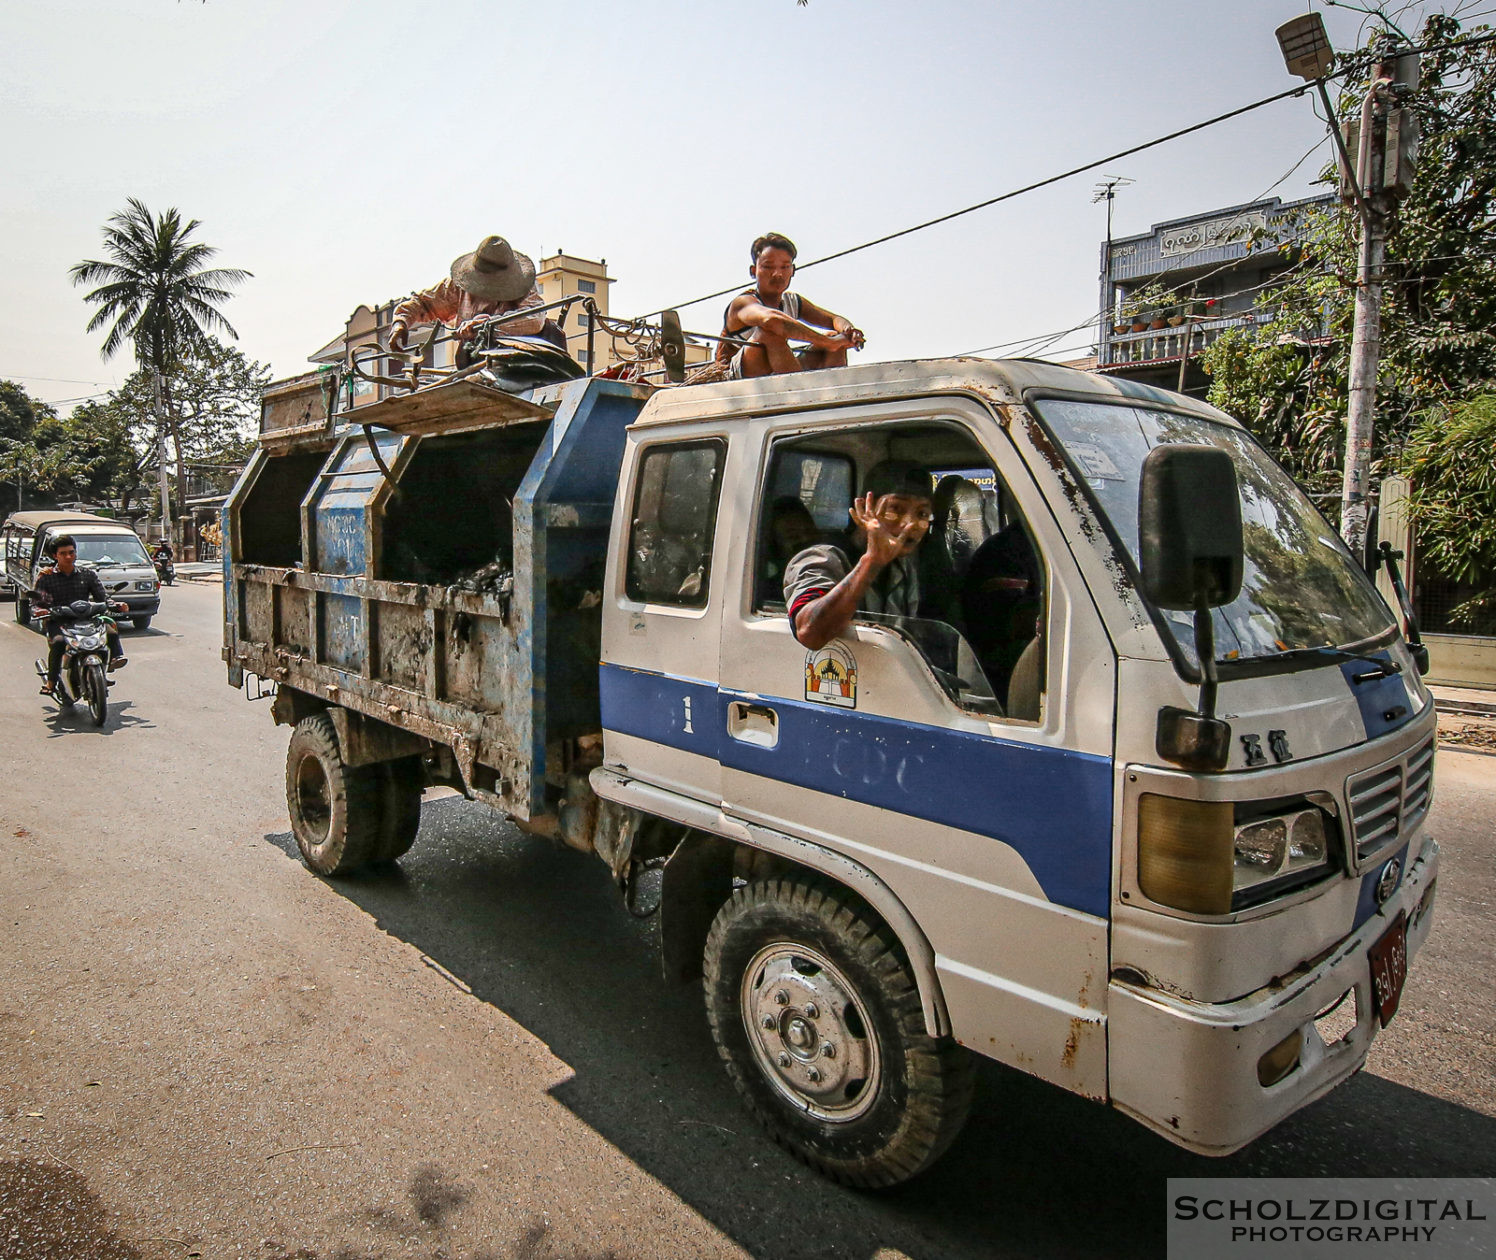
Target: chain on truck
1139,810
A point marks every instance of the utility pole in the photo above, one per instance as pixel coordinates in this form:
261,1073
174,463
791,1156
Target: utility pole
161,477
1381,173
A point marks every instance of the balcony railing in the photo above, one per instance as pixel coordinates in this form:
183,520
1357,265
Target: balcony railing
1154,345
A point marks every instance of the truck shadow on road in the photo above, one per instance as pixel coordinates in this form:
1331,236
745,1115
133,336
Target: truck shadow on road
540,933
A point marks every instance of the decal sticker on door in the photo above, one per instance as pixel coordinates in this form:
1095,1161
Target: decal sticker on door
831,676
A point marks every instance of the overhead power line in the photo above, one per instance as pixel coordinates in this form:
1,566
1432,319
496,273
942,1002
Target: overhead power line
1349,65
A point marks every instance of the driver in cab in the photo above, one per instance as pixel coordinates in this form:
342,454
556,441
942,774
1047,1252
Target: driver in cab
824,588
58,587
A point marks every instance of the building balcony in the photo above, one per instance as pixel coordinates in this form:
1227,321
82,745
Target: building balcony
1161,345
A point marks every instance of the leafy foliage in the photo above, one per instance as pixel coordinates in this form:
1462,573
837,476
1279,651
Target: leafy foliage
1449,460
1439,309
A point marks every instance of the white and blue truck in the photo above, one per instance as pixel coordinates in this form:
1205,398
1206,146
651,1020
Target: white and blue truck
1139,808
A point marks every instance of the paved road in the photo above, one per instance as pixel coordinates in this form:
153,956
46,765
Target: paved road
208,1051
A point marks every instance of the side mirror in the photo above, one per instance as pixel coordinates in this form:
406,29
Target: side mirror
1189,528
1190,553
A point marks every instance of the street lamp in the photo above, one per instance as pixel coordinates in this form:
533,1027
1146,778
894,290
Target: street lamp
1306,47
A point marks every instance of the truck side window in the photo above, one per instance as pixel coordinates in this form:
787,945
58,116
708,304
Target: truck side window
675,515
981,580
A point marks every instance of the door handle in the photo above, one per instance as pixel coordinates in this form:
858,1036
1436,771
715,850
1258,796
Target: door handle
752,723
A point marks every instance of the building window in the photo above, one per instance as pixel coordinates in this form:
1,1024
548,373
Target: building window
675,515
586,286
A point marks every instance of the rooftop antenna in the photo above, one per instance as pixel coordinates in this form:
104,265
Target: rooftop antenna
1106,191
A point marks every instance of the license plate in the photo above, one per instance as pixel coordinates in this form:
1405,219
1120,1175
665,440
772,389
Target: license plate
1389,968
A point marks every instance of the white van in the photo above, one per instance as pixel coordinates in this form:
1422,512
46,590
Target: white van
112,548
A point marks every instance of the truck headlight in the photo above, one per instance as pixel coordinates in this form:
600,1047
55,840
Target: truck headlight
147,585
1274,854
1195,856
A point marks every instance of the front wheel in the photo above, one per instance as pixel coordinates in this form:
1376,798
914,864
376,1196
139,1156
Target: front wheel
96,691
335,808
818,1021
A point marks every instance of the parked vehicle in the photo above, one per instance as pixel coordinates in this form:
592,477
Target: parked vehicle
1142,813
85,657
114,549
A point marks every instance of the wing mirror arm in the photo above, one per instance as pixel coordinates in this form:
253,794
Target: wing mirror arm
1191,556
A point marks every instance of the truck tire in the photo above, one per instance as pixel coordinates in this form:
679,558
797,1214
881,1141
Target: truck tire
401,785
818,1021
23,609
141,623
335,808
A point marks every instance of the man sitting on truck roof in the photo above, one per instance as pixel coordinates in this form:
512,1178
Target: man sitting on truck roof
824,590
760,322
493,280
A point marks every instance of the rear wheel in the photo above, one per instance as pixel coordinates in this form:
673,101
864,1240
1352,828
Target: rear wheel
335,808
23,609
400,807
141,623
96,691
819,1024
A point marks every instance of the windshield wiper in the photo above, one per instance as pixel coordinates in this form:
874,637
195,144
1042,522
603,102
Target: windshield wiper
1384,668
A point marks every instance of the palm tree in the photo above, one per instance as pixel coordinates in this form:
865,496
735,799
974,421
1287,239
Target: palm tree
162,299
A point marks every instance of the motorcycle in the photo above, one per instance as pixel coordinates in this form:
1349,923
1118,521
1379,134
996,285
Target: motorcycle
166,571
85,655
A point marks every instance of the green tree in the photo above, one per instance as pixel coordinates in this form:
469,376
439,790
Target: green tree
156,292
20,460
1448,459
1286,378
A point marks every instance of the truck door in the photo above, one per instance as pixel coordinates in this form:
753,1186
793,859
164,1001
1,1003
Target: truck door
938,751
658,682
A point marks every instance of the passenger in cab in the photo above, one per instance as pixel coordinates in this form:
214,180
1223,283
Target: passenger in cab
760,322
493,280
791,530
824,588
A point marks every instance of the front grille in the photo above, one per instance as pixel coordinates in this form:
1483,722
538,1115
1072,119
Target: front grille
1388,802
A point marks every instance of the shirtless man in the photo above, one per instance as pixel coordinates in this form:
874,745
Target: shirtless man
760,322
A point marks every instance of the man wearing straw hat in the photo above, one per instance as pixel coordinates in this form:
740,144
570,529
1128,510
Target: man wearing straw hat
493,280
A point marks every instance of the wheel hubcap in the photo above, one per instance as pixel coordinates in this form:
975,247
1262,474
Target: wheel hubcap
810,1033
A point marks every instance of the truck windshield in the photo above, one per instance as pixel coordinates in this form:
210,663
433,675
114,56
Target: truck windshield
111,549
1301,589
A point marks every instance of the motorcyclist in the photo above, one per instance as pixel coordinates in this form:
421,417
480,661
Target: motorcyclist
162,552
59,586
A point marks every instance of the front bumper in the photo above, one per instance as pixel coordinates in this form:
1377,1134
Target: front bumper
1189,1069
140,605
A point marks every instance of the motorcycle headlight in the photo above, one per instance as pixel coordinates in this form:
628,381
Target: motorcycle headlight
91,642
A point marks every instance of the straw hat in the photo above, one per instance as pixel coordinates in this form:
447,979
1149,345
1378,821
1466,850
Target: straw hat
494,272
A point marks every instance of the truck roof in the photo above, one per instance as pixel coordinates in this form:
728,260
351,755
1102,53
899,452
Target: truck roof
1004,380
35,520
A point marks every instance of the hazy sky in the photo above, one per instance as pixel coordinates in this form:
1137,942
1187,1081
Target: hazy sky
346,152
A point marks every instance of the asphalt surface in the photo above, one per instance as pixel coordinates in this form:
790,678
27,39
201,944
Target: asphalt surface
208,1051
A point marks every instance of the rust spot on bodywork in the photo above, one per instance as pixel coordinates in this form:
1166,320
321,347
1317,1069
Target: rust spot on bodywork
1072,1043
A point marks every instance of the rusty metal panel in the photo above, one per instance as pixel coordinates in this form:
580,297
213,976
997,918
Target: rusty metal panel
341,632
452,408
294,619
257,612
404,634
296,410
482,661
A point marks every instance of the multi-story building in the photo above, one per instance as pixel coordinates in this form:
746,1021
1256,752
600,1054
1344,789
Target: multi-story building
1214,266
